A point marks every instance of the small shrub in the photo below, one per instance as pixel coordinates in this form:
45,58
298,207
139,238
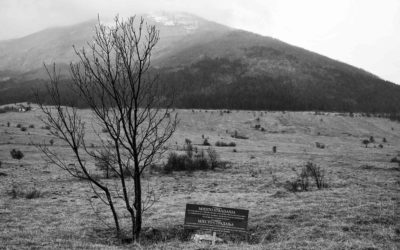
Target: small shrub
33,194
274,149
238,136
380,146
384,140
16,154
103,163
213,156
188,148
257,126
31,126
19,192
371,139
23,129
317,174
19,125
366,142
14,192
234,150
395,159
302,181
206,143
51,142
320,145
47,127
224,144
177,163
104,130
8,124
199,161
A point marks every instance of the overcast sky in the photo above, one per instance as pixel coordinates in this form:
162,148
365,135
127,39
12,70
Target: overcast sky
364,33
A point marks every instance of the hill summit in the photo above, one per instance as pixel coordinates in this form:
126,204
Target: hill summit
209,65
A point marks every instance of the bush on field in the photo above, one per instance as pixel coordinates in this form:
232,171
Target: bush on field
302,182
203,160
365,142
316,173
224,144
213,157
189,148
206,143
105,162
19,192
16,154
395,159
8,109
238,136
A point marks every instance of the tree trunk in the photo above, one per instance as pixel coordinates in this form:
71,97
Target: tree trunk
115,216
138,204
133,218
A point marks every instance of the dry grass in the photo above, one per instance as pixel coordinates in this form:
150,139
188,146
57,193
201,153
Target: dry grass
359,210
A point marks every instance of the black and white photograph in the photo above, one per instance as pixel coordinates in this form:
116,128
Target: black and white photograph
200,124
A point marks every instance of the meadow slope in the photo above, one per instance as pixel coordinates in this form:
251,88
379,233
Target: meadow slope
359,209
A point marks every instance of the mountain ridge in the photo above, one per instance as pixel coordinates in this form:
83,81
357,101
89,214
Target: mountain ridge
206,60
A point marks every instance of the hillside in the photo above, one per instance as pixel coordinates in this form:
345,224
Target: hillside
358,209
209,65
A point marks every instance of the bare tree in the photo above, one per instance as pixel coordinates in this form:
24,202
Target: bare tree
113,77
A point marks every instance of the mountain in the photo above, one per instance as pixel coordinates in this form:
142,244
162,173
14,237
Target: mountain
27,54
209,65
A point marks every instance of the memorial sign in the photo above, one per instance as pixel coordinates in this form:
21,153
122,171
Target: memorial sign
220,219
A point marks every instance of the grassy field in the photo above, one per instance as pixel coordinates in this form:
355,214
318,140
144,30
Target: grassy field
360,208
